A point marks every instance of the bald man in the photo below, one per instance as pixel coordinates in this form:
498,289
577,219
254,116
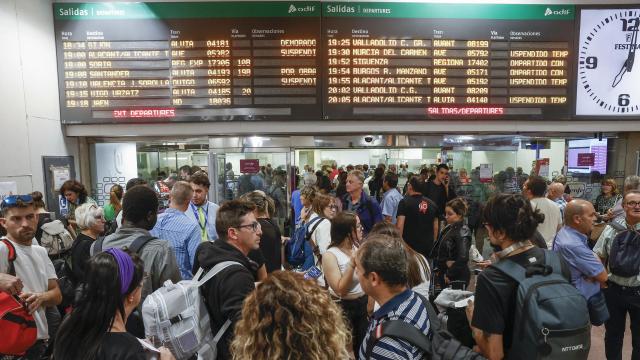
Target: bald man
555,193
587,272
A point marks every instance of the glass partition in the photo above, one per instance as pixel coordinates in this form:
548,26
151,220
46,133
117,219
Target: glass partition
241,172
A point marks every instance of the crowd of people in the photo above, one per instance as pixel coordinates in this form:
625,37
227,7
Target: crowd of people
373,253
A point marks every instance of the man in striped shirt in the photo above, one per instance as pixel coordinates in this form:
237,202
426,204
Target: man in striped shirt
182,232
381,266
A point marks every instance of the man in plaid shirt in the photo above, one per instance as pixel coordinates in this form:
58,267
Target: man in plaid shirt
381,266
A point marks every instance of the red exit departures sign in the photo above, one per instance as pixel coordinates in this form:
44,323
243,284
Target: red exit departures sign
145,113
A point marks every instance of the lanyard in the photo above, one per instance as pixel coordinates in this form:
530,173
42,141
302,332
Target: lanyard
197,215
507,251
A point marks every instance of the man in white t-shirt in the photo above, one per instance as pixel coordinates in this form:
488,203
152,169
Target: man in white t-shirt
32,265
534,189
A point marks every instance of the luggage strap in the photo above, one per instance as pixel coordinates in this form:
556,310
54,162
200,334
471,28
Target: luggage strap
12,256
213,272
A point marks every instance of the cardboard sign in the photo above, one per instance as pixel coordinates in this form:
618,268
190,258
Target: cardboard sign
250,166
586,159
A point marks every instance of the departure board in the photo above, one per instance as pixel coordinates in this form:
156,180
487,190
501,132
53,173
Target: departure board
302,60
188,61
420,60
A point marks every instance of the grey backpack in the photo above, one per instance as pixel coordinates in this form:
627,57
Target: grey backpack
552,318
55,238
175,316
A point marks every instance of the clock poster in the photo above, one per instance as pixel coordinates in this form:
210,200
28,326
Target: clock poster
608,67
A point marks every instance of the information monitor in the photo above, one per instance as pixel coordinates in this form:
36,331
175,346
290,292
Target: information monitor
421,60
252,60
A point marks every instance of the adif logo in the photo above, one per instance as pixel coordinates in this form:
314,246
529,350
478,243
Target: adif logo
308,8
550,12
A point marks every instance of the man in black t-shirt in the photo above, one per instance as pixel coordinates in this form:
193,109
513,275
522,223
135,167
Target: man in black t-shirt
417,219
495,305
439,190
510,222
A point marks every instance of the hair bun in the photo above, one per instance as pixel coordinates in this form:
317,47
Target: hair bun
37,196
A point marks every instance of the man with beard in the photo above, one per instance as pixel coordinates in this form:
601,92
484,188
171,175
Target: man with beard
32,266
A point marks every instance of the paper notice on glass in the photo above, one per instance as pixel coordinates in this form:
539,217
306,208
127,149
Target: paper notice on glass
8,188
542,167
486,173
60,174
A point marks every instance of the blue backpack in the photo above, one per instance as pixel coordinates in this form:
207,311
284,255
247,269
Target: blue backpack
299,250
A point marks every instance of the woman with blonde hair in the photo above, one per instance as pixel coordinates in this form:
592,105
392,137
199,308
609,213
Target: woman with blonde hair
114,206
307,194
608,197
287,317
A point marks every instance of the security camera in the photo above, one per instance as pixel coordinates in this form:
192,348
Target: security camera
368,139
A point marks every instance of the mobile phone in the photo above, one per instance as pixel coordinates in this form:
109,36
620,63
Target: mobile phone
313,272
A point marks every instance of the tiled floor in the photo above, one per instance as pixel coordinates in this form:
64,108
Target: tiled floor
597,343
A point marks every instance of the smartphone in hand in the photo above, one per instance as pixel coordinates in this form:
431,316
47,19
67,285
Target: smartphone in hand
313,272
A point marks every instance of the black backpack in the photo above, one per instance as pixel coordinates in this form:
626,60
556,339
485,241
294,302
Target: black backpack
111,226
474,218
439,345
624,256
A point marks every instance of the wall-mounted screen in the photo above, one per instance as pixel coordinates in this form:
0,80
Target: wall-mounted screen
583,153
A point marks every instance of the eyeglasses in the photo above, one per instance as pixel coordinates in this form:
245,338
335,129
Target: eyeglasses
632,203
333,207
12,200
254,226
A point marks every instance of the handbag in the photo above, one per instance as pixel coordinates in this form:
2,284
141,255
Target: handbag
19,330
598,311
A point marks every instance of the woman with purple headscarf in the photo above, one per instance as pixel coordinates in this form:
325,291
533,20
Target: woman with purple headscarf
95,328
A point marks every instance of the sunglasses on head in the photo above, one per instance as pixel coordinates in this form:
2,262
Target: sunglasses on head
14,200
